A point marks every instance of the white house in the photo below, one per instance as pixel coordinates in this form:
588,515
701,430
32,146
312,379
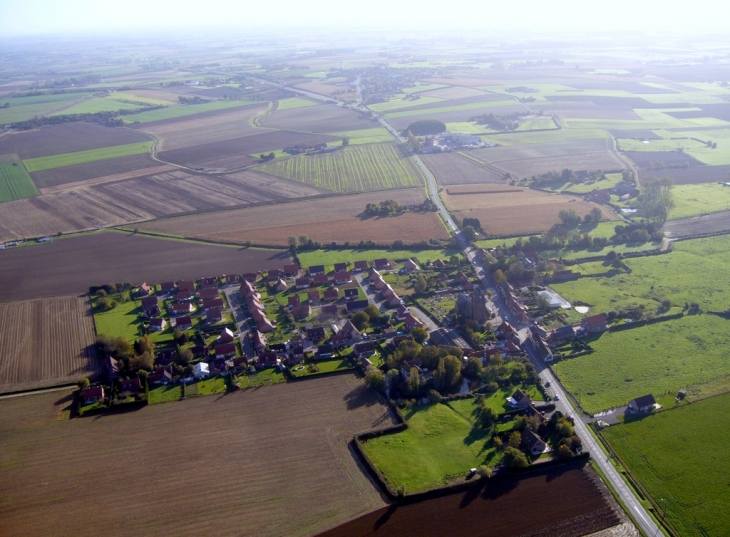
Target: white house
201,370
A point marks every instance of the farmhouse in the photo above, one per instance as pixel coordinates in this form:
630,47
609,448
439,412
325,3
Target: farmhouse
157,324
645,403
316,270
225,350
130,386
201,370
533,443
214,315
92,394
595,324
519,399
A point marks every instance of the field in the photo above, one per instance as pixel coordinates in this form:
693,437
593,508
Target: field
329,219
438,442
124,321
455,113
15,183
504,210
294,102
330,257
579,505
323,118
46,342
234,470
352,169
80,157
63,267
658,358
178,111
92,106
456,169
680,473
695,200
698,225
76,175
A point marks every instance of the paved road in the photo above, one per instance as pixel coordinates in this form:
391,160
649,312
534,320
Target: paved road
627,495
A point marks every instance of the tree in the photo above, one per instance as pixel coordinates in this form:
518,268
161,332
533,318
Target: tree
514,458
145,344
484,471
372,312
487,416
144,361
292,242
564,452
186,356
419,335
469,233
596,214
656,200
499,276
569,217
414,381
454,261
452,366
345,142
439,376
515,439
420,285
83,384
565,429
375,379
423,127
474,368
360,320
303,240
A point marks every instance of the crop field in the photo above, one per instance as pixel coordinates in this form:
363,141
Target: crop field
329,219
46,342
323,118
688,176
330,257
15,183
25,112
697,226
315,480
351,169
294,102
93,106
681,474
695,200
436,111
156,95
180,111
75,174
366,136
455,169
580,505
455,114
399,103
63,268
66,138
504,210
80,157
658,358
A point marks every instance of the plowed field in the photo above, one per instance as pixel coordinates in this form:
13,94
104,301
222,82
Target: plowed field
323,118
267,462
46,342
455,169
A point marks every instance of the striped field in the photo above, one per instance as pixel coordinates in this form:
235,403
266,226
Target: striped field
80,157
15,183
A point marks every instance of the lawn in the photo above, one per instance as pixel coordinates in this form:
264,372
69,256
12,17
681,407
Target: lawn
438,442
80,157
695,200
659,358
359,168
122,321
165,394
330,257
212,386
672,456
15,183
179,110
323,366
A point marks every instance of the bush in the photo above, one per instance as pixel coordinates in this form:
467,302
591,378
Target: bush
484,471
514,458
423,127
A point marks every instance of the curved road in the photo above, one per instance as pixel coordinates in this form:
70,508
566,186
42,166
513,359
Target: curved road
628,497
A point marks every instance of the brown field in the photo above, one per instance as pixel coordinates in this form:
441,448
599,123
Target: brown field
325,220
46,342
468,82
66,138
698,226
456,92
689,176
142,198
92,170
589,111
505,210
325,89
267,462
455,169
323,118
566,501
72,264
456,115
159,168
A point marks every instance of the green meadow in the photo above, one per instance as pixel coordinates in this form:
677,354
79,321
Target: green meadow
80,157
15,183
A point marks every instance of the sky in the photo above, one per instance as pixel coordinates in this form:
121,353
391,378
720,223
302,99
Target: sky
34,17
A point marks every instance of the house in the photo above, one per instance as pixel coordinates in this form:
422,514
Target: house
349,330
258,340
239,364
595,324
321,279
329,310
208,283
291,270
92,394
248,289
280,285
297,353
301,312
143,290
225,350
293,301
265,325
378,282
208,294
381,264
561,335
215,303
167,287
253,303
401,312
214,315
412,322
273,275
407,367
315,333
342,277
351,294
645,403
166,357
219,366
364,349
184,296
438,264
315,270
338,340
360,266
158,324
160,376
543,348
130,386
111,367
181,309
199,351
331,295
356,305
532,443
149,302
186,285
340,267
302,283
266,359
226,336
313,297
201,370
410,266
519,399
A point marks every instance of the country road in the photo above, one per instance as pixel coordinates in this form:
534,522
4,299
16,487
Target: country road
628,497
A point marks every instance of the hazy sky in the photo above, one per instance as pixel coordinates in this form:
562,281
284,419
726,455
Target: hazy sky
523,16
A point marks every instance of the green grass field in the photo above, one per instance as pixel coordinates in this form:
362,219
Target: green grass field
24,112
15,183
165,394
323,366
352,169
178,110
454,108
122,321
295,102
540,137
681,458
79,157
658,358
398,103
366,136
93,106
330,257
439,442
695,200
143,101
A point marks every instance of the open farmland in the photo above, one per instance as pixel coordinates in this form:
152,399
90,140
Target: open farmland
92,106
698,226
46,342
455,114
330,219
286,473
351,169
70,265
76,173
688,176
657,358
181,111
456,169
680,473
505,210
323,118
68,159
695,200
15,183
579,504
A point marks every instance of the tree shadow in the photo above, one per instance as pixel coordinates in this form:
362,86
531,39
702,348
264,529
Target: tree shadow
360,397
385,517
65,399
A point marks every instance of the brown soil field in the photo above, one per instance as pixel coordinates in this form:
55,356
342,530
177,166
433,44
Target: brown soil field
109,179
455,92
505,210
483,98
234,152
70,265
689,176
674,158
92,170
591,112
336,218
468,82
455,169
455,116
46,342
698,226
267,462
66,138
569,502
323,118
